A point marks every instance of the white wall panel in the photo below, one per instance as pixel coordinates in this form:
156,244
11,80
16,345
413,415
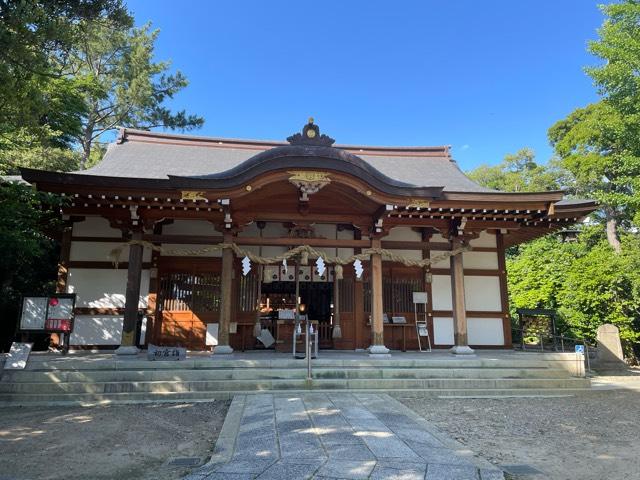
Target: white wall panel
441,292
442,331
95,227
97,330
484,240
100,252
442,263
250,230
104,288
485,331
403,234
484,260
274,229
482,293
190,227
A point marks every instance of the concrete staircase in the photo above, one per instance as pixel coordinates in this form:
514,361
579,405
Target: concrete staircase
107,379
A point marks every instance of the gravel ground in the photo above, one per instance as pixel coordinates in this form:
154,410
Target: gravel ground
109,442
595,435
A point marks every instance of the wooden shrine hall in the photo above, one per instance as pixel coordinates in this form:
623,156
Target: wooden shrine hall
214,235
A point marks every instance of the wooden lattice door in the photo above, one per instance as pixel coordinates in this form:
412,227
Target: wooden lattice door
188,300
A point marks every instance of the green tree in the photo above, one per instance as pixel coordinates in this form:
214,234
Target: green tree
603,288
36,97
124,85
600,144
519,172
29,223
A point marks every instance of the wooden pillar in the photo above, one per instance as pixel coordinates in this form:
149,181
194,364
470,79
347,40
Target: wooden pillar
132,298
461,343
224,322
377,325
504,291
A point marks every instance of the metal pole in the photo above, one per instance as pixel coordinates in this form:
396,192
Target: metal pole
297,313
562,341
308,350
541,344
586,354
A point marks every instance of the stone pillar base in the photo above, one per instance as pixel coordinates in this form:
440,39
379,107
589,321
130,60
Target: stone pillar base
461,350
379,351
127,350
222,350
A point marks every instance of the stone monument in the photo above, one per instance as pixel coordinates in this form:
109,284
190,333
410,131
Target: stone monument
609,348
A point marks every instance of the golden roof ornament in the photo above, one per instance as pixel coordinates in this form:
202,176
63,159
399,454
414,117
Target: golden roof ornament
311,136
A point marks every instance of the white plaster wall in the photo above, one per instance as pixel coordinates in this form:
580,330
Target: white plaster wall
104,288
485,331
441,292
442,263
443,331
403,234
437,238
482,293
95,227
484,260
100,252
97,330
250,230
274,229
345,235
484,240
190,227
101,330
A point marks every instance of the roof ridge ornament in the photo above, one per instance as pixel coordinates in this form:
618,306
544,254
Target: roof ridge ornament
311,136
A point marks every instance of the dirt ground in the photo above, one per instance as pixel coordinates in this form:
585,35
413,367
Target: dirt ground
595,435
109,442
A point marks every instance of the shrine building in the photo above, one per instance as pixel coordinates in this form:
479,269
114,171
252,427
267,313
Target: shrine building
157,234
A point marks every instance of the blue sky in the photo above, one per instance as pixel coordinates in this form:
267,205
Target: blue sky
487,77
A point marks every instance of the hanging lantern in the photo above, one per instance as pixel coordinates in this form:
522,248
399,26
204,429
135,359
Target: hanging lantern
246,266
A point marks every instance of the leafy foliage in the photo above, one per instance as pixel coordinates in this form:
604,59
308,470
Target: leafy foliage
36,36
125,87
29,224
518,172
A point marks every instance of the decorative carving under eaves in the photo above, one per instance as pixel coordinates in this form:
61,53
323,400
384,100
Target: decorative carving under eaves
309,182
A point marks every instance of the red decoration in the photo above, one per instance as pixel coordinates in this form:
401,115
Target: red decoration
53,301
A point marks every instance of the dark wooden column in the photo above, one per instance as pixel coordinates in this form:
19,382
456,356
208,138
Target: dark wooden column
504,291
132,298
377,325
223,346
461,342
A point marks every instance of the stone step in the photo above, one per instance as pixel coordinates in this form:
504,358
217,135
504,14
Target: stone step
9,400
60,376
178,386
526,361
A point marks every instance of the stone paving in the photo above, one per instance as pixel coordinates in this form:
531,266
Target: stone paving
335,436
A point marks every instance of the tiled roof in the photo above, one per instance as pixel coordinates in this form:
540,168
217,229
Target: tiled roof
151,155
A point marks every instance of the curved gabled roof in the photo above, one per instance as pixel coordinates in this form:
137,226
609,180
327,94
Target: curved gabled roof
150,155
